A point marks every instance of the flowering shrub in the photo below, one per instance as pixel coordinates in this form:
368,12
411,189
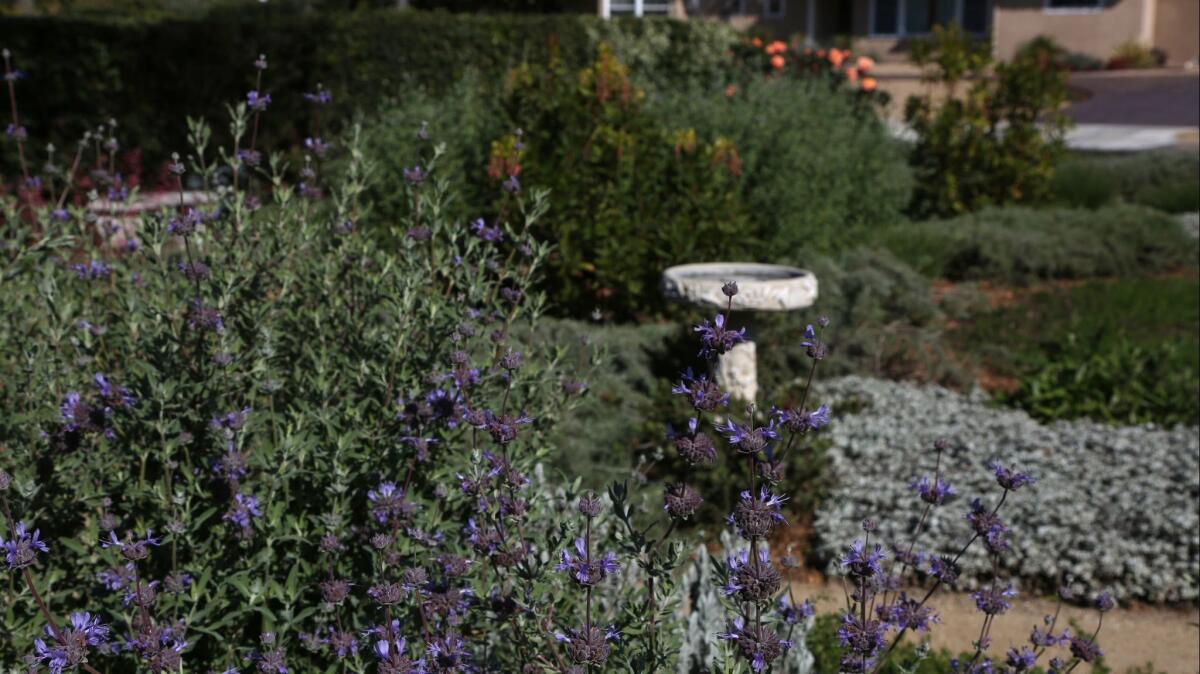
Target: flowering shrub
838,68
271,433
248,434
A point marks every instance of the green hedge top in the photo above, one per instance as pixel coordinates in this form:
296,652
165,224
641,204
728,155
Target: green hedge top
150,74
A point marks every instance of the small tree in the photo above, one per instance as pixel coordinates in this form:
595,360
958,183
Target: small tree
998,143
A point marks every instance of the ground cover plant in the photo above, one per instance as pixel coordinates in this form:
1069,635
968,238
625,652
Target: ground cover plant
1114,505
1122,351
273,431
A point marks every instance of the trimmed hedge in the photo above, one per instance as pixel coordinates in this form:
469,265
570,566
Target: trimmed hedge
149,74
1018,245
1168,180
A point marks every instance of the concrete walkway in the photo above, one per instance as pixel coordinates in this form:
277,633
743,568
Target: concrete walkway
1100,137
1161,97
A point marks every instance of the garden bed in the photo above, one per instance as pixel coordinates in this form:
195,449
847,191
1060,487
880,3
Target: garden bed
1115,507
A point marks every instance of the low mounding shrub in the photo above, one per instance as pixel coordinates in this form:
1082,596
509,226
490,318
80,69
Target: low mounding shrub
1168,180
820,169
1019,245
996,143
1133,54
897,326
1047,50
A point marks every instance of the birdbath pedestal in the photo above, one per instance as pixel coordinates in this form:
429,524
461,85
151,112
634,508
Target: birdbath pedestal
761,287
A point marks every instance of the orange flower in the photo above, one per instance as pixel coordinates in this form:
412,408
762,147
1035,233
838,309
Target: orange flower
731,91
820,53
836,57
852,74
777,62
756,42
808,51
776,47
869,84
865,64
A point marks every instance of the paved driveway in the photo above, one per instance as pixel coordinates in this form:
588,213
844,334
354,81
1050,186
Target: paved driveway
1141,98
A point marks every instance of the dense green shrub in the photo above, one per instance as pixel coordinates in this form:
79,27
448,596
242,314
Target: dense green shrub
1048,50
150,73
1123,383
1168,180
996,143
820,168
1082,185
1125,351
1018,245
463,121
1134,54
633,193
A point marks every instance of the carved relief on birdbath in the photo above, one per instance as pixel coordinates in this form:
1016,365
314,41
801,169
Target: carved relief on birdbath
761,287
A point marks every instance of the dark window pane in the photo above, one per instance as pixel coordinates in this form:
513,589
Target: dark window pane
945,12
1076,4
916,16
975,16
886,13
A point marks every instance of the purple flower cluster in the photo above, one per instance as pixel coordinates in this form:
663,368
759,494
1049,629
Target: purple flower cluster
584,569
716,338
66,649
22,549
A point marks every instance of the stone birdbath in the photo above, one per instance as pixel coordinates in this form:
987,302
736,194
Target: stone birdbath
761,287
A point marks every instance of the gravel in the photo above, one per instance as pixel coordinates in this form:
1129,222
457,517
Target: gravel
1114,508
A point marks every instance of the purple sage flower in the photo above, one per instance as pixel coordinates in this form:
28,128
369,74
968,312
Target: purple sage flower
21,551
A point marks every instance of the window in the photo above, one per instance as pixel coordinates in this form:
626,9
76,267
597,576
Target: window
1073,6
774,9
975,14
918,17
639,8
884,17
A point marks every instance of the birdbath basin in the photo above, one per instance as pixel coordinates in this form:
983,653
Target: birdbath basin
761,287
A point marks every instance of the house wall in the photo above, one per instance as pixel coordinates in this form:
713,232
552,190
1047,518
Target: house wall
1095,32
1177,30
